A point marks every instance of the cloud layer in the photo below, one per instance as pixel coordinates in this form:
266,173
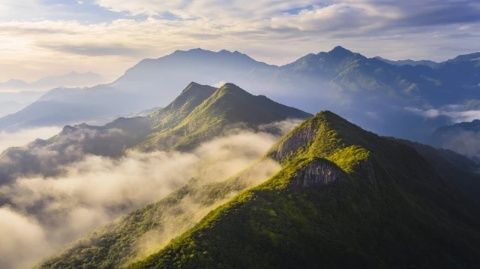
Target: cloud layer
454,113
41,214
23,137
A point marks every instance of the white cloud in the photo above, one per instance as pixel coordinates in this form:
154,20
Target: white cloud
455,113
463,142
274,31
47,212
207,8
23,137
340,16
22,239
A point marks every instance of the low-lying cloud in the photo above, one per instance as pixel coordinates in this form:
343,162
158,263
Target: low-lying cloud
23,137
462,141
39,215
455,113
19,233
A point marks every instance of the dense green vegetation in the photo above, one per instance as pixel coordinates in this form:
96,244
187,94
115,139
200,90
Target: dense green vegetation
457,169
388,203
391,209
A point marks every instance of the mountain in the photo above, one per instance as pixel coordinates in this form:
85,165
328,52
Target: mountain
198,114
13,84
191,97
428,63
344,198
222,108
111,139
17,94
51,156
227,107
382,96
150,83
459,170
11,102
72,79
63,106
357,73
180,67
460,137
148,229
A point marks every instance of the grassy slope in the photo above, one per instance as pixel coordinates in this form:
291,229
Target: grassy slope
227,107
391,210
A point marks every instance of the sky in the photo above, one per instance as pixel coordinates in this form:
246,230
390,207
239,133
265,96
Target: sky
48,37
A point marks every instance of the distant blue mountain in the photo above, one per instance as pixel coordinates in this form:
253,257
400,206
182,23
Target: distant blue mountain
372,92
428,63
462,137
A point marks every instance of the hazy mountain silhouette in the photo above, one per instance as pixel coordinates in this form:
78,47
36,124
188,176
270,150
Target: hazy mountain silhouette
198,114
371,92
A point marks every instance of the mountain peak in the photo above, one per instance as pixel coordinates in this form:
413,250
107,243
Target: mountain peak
193,92
192,96
200,51
343,187
197,118
194,50
194,87
340,51
328,136
232,89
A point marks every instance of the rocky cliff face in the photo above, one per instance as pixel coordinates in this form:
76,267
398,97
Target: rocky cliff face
299,139
317,173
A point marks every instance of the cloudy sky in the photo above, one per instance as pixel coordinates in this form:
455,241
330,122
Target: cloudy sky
47,37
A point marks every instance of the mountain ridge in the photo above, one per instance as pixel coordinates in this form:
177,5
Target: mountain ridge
227,106
171,128
366,212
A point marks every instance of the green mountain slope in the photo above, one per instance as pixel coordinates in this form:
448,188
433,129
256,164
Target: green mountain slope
345,198
459,170
228,107
124,241
192,96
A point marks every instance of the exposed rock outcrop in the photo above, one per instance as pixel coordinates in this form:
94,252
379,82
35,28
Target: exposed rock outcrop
317,173
299,139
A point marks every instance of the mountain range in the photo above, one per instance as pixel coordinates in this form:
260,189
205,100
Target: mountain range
11,102
213,112
198,114
71,79
344,197
378,94
336,195
16,94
